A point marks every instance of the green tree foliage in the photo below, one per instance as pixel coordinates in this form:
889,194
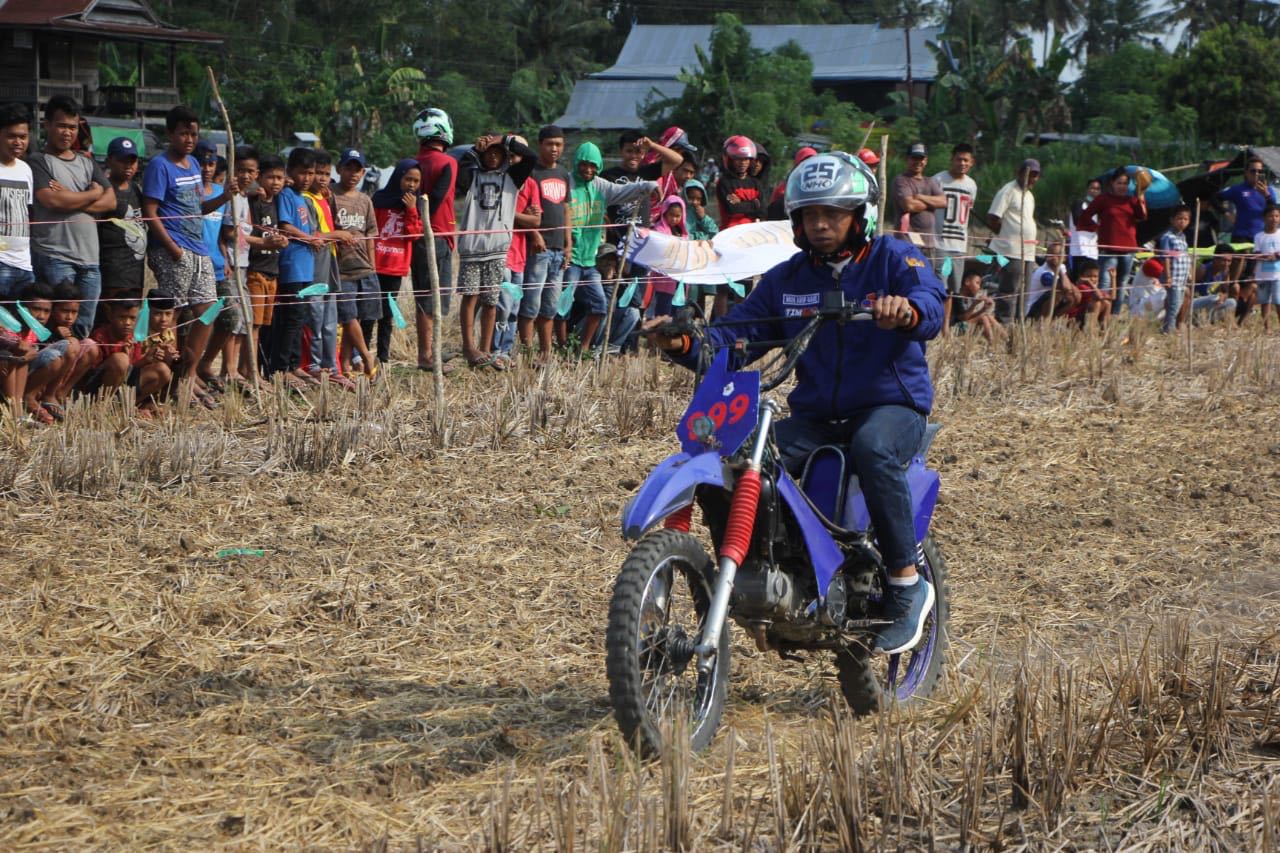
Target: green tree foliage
737,88
1124,93
1225,79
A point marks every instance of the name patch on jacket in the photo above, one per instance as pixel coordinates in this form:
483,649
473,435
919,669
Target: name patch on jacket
801,298
795,304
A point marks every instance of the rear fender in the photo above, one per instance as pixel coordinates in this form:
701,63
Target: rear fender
669,487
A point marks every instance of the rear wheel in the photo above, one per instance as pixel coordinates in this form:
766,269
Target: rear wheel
872,682
656,616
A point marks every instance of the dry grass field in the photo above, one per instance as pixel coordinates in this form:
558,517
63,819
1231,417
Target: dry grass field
416,662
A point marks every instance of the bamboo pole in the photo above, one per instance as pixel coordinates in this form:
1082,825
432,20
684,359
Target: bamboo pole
1190,288
433,274
882,170
613,294
246,305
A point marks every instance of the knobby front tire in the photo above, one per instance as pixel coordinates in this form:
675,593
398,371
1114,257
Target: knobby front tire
660,600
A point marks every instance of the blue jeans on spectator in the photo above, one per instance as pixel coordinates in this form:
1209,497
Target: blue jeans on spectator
878,443
322,319
86,277
625,321
543,273
12,280
504,330
589,291
1172,305
1113,274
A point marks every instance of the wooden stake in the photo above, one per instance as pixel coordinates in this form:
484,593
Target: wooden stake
433,274
242,293
1190,288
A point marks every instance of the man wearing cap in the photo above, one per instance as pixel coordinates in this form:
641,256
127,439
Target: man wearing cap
916,197
70,192
1012,218
122,238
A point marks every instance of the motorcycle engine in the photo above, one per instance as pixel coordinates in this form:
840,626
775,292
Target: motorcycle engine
766,592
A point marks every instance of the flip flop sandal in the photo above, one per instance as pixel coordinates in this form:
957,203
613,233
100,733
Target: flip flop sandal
58,413
445,369
40,415
342,382
214,384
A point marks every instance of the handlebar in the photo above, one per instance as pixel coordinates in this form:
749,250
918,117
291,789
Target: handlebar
833,308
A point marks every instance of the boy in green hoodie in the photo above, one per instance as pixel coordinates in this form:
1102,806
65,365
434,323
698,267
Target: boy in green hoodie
588,198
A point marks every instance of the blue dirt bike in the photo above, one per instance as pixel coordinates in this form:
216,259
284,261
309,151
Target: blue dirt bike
797,565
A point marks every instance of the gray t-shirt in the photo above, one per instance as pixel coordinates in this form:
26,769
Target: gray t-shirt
71,237
904,187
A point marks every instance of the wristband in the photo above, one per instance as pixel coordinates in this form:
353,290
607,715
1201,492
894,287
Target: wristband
686,344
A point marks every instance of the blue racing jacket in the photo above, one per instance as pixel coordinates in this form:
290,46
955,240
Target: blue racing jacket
852,366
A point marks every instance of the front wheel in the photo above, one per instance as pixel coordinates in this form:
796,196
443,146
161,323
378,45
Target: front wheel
869,684
660,601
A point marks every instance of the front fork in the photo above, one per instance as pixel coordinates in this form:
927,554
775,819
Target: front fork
737,540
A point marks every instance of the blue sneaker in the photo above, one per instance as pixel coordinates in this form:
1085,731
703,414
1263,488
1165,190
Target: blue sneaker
908,607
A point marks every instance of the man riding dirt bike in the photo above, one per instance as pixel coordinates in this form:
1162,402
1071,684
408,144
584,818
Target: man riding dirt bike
864,387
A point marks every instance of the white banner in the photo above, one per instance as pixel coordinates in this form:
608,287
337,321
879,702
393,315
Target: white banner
734,254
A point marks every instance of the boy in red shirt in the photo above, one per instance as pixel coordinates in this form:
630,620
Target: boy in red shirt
123,361
434,130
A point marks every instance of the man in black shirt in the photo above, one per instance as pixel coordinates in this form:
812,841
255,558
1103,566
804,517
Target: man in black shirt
632,146
122,239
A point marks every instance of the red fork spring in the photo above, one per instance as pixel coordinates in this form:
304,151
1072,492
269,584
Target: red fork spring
680,519
742,517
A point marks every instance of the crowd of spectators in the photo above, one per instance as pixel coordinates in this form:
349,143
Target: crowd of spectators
188,280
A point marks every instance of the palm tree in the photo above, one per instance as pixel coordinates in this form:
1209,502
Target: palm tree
909,14
1062,15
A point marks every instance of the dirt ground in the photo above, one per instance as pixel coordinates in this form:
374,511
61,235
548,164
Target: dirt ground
417,659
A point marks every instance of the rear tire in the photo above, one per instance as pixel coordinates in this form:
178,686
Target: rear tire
660,599
870,682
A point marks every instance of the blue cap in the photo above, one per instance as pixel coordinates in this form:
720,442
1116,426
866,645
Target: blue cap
122,148
351,155
206,152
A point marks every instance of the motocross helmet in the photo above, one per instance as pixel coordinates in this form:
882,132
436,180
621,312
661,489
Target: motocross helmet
434,123
738,148
835,179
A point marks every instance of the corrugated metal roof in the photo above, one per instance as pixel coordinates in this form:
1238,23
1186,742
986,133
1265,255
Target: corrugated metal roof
839,52
124,18
654,55
612,104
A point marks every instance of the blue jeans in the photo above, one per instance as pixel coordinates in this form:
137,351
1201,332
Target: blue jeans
1172,305
590,292
879,442
322,319
12,280
504,330
86,277
1113,273
625,321
542,276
